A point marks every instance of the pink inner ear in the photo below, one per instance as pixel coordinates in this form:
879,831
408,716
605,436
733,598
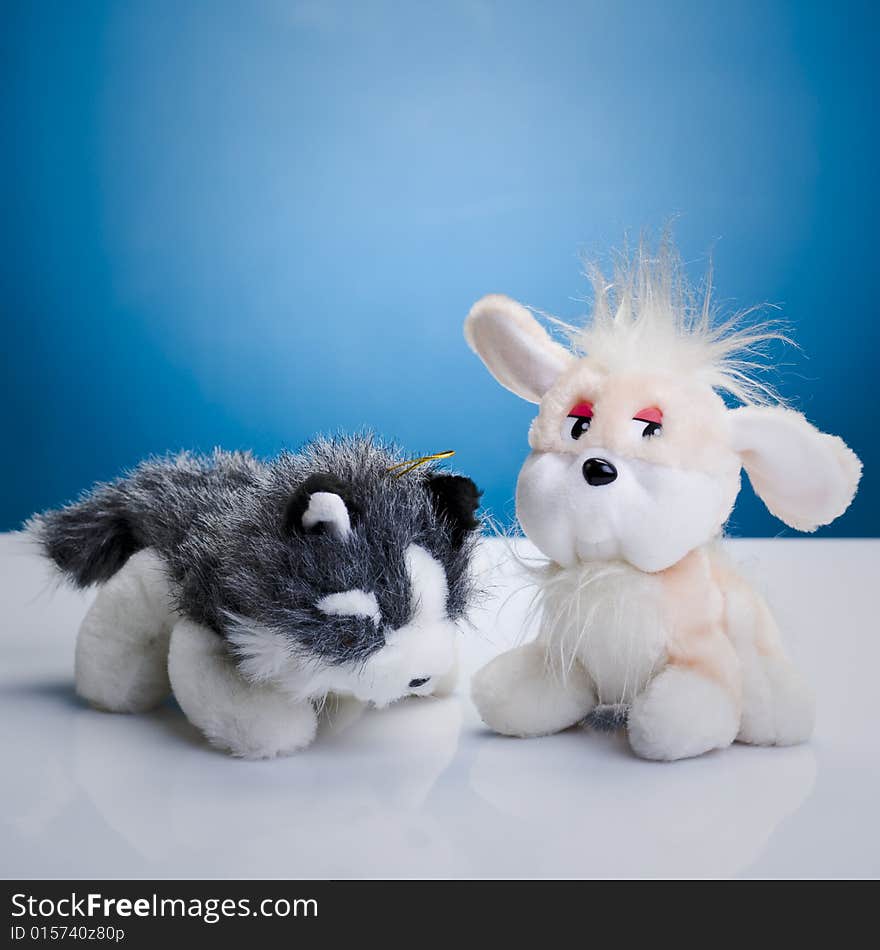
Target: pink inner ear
653,414
582,409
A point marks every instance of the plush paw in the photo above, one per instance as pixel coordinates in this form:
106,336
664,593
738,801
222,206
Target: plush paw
250,720
122,647
779,707
517,695
681,714
265,726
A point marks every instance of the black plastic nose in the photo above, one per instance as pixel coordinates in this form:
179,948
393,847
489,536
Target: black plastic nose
414,684
599,472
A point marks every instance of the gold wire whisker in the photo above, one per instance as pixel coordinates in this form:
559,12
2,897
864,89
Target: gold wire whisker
401,468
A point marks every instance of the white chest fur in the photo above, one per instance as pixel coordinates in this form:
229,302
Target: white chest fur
609,617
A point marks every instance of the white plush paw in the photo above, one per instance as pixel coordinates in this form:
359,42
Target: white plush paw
122,648
265,727
779,707
681,714
517,695
250,720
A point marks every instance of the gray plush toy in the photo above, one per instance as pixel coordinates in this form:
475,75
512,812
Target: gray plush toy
253,590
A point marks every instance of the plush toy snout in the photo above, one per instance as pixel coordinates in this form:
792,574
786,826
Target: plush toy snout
603,505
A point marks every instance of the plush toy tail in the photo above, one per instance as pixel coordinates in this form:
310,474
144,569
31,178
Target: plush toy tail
607,717
89,540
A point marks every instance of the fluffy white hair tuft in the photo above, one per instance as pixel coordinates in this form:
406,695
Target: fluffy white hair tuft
647,317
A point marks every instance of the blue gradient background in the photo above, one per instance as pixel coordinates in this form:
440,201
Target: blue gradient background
242,223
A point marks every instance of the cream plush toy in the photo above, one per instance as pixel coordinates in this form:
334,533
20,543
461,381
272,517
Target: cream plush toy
634,469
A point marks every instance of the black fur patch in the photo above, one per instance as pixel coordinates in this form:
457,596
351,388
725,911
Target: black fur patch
92,553
456,499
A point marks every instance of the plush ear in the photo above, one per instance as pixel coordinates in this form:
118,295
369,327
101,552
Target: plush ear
322,504
516,349
456,499
805,477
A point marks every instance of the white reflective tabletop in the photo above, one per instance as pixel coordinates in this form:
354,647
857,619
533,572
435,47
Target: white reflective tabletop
422,789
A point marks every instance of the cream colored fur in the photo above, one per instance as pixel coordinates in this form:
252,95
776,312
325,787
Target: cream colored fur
641,608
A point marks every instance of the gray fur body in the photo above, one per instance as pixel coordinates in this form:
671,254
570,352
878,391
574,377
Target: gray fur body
219,524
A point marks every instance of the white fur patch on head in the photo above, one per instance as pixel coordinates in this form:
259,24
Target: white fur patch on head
328,509
351,603
427,583
423,650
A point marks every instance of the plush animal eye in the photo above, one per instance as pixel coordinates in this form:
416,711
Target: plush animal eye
578,420
648,422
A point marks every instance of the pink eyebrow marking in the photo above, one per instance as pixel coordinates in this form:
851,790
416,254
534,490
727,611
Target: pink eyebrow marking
652,414
582,409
